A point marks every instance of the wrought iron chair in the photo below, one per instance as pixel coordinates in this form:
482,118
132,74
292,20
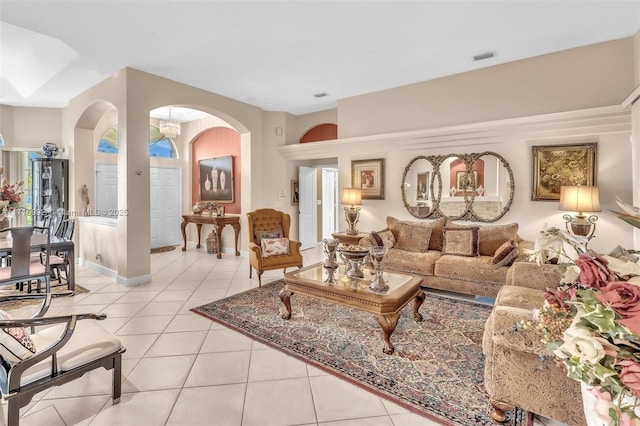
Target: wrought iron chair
59,260
69,347
21,269
270,222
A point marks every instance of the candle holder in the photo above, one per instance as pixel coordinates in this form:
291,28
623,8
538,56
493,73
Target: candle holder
377,256
329,247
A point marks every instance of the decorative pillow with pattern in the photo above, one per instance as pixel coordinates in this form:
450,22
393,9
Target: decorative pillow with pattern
384,238
460,241
413,237
15,343
274,246
269,233
506,254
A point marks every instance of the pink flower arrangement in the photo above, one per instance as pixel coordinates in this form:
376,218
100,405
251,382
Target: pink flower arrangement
591,323
10,195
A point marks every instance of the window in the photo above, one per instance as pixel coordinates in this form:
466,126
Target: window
159,145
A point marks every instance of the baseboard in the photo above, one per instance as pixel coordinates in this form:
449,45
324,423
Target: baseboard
97,267
126,281
132,281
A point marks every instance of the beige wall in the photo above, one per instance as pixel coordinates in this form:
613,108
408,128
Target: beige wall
581,78
30,127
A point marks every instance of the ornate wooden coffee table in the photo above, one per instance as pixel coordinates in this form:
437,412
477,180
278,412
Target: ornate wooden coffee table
386,306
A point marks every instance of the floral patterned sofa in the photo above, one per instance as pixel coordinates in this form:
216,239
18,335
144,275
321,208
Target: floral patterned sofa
515,374
468,259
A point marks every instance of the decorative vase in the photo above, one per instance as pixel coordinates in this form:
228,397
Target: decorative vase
589,401
377,256
50,149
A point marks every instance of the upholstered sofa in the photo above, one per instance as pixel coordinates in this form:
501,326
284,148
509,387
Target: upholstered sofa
515,374
458,258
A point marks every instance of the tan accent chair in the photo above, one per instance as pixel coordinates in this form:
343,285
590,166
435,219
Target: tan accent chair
267,220
514,374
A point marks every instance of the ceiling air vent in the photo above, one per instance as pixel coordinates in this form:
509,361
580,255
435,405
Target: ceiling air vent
320,95
485,55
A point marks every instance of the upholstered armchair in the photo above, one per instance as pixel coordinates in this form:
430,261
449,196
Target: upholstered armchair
272,226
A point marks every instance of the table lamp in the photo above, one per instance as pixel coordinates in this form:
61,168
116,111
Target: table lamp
580,199
352,197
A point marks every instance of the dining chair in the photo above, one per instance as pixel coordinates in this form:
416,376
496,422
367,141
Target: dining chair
22,270
65,349
59,260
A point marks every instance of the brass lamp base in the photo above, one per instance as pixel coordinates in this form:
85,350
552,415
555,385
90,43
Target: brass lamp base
352,215
581,225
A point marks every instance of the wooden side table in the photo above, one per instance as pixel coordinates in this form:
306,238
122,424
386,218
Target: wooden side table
218,222
349,239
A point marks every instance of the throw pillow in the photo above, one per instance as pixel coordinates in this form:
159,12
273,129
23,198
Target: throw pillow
460,241
491,236
506,254
413,237
268,233
274,246
15,343
383,238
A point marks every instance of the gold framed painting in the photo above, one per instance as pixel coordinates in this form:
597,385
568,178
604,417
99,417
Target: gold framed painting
466,181
368,175
562,165
422,186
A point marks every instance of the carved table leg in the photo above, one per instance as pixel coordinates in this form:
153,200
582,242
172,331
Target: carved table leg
219,229
285,297
388,324
236,229
184,234
199,226
416,305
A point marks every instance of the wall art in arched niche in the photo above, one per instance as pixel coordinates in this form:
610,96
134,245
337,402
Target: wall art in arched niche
216,179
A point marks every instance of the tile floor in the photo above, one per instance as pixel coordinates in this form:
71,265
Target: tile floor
183,369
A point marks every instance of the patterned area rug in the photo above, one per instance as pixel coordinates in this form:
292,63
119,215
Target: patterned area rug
162,249
436,370
56,288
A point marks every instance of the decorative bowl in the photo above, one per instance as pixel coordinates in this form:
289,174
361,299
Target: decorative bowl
50,149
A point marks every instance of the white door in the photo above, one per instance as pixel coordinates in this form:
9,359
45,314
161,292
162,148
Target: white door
165,206
329,201
307,219
106,190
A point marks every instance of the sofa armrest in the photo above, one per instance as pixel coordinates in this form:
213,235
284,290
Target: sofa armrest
506,330
532,275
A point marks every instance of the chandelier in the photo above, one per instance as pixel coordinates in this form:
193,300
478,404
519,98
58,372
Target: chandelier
169,128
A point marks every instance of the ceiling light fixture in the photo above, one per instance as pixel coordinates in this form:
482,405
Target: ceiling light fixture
320,95
170,128
485,55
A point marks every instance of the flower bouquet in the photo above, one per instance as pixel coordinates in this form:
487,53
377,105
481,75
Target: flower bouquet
591,324
10,196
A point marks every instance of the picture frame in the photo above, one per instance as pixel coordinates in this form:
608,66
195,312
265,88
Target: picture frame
295,192
220,211
554,166
422,186
216,179
466,182
368,175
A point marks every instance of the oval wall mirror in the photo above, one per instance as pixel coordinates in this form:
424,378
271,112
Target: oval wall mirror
476,187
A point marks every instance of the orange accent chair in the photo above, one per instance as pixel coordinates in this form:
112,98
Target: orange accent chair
270,221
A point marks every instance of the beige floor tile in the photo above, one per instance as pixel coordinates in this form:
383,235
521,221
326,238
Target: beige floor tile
188,322
279,402
138,296
274,365
366,421
161,308
76,411
145,325
412,419
185,343
47,416
211,406
100,298
137,345
117,310
219,368
225,340
335,399
158,373
140,408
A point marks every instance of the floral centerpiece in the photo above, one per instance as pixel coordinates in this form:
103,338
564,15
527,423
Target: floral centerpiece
591,324
10,196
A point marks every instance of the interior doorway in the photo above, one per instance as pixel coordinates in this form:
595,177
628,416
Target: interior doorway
318,203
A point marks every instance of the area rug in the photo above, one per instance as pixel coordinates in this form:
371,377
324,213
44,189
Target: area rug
436,370
162,249
55,289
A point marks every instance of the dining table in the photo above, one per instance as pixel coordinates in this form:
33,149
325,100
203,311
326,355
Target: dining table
39,242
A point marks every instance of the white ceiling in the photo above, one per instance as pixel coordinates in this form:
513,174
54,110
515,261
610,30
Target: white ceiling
277,55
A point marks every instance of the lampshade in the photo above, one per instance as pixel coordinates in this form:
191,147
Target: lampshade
352,196
579,199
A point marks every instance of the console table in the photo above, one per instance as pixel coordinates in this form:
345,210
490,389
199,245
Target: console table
218,222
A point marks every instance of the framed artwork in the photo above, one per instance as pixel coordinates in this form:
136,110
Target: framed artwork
466,181
562,165
422,186
295,192
216,179
369,176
